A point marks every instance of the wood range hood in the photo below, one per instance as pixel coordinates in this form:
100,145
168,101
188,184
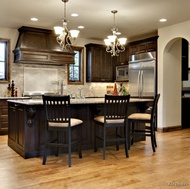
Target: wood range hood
39,46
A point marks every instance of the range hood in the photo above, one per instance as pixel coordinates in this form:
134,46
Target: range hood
39,46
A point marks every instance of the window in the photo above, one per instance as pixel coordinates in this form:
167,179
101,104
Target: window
4,60
76,71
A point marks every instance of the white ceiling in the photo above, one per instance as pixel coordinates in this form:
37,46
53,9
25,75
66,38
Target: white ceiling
135,18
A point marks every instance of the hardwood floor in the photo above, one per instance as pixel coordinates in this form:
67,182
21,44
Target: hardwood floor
168,167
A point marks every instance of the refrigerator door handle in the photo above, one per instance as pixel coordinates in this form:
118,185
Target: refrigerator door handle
142,83
139,83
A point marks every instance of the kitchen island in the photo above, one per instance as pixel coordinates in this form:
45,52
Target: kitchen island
26,122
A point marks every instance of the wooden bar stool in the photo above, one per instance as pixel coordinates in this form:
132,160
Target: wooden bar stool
58,120
149,119
115,116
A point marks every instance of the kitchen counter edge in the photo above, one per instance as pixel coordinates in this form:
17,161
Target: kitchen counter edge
73,101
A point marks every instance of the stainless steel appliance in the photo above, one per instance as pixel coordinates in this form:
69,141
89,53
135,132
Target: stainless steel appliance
142,75
122,73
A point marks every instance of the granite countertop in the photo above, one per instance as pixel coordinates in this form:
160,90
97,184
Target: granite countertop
13,98
73,101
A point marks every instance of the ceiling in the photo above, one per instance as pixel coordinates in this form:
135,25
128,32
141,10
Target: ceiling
135,18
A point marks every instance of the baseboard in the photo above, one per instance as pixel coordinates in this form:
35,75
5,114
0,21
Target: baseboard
168,129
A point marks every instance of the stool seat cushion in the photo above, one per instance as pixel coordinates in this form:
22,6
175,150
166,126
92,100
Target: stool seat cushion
74,122
111,121
140,116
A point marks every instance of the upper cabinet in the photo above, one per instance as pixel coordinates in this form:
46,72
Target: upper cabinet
123,58
99,64
145,45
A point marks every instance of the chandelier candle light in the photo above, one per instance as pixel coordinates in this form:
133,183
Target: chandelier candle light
66,38
115,45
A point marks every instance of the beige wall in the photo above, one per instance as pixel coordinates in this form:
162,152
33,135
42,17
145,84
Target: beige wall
169,73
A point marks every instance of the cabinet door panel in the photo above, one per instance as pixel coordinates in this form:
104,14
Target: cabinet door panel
99,64
107,67
151,46
133,49
142,47
96,64
3,117
12,132
20,122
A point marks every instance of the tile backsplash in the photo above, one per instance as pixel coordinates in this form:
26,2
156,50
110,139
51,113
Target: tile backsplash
45,78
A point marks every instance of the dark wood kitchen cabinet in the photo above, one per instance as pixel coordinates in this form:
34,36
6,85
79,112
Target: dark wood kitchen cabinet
26,134
145,45
3,117
99,64
123,57
16,132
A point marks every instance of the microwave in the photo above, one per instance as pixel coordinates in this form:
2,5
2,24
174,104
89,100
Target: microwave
122,73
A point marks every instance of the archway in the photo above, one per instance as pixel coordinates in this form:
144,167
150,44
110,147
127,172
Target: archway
171,86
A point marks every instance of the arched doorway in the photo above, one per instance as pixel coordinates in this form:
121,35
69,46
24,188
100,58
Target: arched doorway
171,86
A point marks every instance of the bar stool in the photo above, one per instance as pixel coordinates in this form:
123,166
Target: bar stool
58,120
149,119
115,116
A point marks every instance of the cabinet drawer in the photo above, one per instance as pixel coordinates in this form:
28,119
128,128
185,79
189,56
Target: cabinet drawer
3,125
3,110
3,103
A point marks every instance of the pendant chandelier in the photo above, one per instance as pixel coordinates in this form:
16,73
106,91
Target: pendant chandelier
114,44
66,38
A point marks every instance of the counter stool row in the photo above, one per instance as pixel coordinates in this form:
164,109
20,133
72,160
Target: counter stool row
58,120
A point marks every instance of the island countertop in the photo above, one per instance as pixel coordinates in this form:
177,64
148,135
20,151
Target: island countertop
13,98
73,101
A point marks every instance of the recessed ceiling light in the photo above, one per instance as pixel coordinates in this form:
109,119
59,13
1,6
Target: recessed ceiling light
80,27
74,14
163,20
34,19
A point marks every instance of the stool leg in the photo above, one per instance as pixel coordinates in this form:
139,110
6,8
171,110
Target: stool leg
95,134
45,148
132,133
69,153
44,156
152,141
117,142
155,140
126,141
80,140
104,144
58,140
129,134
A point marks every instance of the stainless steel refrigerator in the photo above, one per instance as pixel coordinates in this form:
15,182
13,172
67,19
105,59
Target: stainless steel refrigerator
142,75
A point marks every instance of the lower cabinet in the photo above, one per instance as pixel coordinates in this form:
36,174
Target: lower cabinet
3,117
16,130
26,134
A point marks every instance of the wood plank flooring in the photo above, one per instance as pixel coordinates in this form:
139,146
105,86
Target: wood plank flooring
168,167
